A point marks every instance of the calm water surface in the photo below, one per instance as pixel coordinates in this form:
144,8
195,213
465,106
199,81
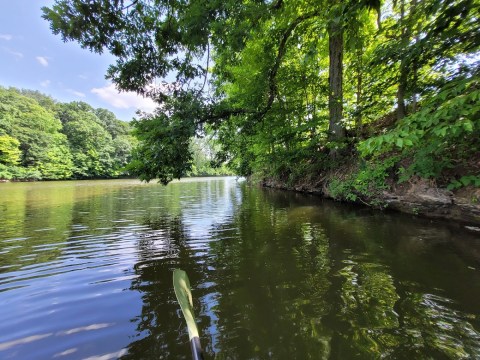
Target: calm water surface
86,273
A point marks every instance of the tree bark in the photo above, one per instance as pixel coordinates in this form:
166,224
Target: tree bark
358,117
403,78
335,99
415,63
402,87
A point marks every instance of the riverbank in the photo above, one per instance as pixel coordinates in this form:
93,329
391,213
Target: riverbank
417,196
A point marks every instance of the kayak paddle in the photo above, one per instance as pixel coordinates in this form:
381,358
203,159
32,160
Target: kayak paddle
181,285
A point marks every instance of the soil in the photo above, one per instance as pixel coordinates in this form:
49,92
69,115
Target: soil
419,197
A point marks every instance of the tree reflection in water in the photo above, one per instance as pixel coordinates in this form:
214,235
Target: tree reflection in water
284,277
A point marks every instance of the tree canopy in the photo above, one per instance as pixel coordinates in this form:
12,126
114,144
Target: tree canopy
286,87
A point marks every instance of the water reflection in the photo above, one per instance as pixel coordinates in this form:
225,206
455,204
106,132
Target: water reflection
86,272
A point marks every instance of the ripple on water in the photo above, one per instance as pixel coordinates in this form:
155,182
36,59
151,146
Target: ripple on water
273,276
15,239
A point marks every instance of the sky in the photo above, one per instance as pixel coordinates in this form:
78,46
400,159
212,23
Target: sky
31,57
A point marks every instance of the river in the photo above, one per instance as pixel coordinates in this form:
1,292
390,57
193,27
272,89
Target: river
86,273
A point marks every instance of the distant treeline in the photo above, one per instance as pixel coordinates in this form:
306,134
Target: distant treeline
41,138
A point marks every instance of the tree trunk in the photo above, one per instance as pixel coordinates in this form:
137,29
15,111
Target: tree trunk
358,117
335,98
415,79
402,81
415,63
402,87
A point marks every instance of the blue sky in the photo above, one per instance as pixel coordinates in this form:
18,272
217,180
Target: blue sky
31,57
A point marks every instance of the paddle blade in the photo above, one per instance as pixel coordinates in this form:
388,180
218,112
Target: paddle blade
181,285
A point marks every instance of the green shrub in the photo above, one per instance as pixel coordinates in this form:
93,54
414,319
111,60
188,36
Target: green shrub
366,184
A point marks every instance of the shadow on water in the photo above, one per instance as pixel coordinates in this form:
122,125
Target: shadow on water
274,274
291,276
159,330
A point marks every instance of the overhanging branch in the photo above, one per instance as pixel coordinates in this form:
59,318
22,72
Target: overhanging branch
282,49
272,86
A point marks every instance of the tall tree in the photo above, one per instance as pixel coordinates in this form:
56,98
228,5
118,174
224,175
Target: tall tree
9,150
33,126
268,78
152,39
335,95
90,144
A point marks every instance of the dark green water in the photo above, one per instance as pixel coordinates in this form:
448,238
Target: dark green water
86,273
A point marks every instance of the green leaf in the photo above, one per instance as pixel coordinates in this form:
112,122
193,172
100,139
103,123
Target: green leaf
399,142
455,184
465,180
468,125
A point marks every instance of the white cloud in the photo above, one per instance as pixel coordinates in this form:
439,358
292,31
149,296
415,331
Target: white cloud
45,83
17,54
42,60
76,93
7,37
124,100
83,77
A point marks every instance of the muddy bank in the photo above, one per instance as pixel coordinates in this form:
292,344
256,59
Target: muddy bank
417,197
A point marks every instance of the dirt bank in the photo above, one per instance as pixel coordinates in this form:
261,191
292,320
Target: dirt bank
417,197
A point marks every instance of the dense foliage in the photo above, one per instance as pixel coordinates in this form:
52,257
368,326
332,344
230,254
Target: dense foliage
44,139
41,138
290,89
